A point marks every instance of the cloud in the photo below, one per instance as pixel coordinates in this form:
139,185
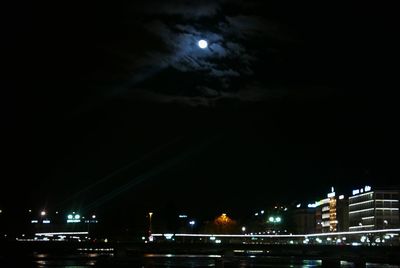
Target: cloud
187,9
184,54
179,25
249,25
210,97
224,73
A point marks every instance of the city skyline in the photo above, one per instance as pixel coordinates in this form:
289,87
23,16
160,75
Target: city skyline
280,215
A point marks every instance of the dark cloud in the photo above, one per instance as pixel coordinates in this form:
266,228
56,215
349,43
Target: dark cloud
210,97
187,9
243,26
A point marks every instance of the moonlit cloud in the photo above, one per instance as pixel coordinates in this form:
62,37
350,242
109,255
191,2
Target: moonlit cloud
178,27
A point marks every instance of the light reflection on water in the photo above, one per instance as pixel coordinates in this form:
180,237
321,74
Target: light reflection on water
67,261
173,261
65,264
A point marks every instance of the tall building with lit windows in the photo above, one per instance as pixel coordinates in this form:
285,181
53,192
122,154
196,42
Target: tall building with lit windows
327,213
324,215
373,209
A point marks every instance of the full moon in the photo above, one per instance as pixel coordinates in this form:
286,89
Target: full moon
203,44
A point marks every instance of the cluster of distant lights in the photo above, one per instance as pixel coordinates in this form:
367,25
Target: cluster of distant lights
71,218
55,236
318,237
365,190
271,219
191,222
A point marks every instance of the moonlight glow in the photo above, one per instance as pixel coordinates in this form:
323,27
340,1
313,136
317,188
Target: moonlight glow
203,44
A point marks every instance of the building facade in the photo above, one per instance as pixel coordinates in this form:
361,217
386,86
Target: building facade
373,209
324,216
342,208
331,213
304,220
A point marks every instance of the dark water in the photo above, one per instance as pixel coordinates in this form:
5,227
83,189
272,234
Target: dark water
90,260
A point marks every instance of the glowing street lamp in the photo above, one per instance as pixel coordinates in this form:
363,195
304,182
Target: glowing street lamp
192,223
73,218
150,215
43,213
274,219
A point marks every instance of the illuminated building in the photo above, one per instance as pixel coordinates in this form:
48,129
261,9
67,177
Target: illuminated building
328,211
323,216
332,214
373,209
55,223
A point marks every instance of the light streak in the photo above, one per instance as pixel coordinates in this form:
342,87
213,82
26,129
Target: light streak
284,236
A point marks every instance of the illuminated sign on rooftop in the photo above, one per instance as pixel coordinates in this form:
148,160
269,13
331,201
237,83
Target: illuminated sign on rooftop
362,190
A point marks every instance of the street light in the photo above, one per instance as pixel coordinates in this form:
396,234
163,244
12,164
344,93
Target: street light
192,223
150,215
43,213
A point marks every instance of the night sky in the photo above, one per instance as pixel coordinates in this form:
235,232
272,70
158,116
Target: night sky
114,107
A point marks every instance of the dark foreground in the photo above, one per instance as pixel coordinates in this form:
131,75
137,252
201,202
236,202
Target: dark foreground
79,255
96,260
